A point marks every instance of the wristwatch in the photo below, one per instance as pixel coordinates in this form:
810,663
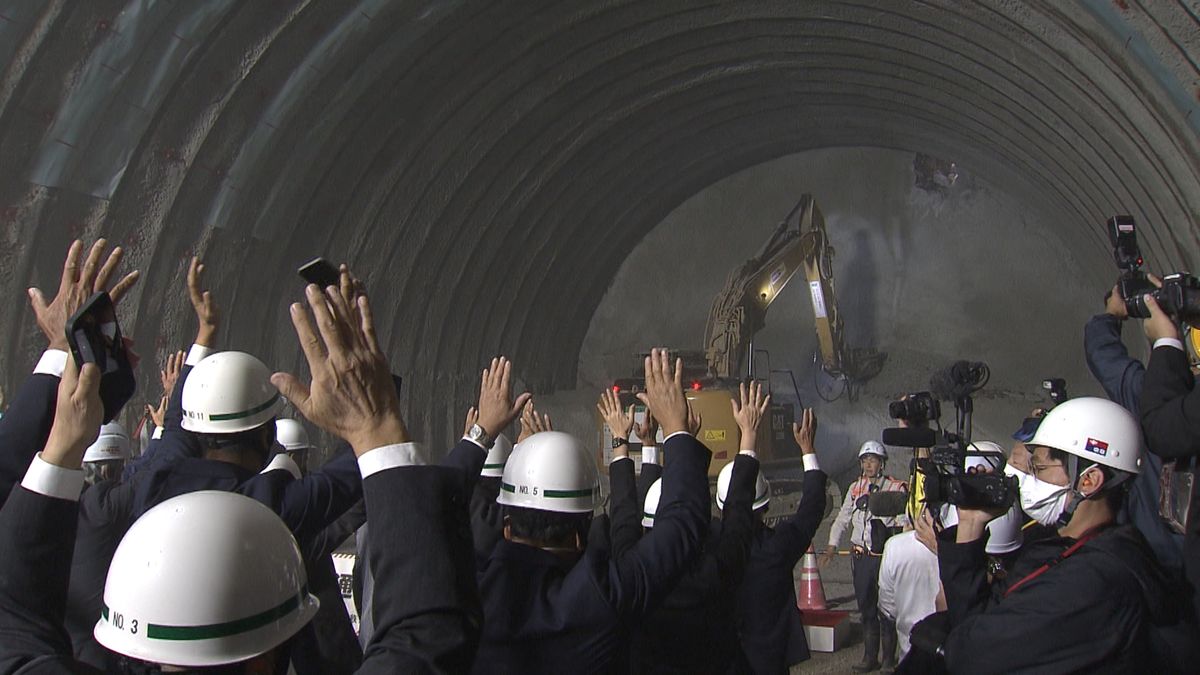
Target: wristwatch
477,434
617,442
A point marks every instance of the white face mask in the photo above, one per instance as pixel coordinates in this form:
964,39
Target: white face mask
1044,502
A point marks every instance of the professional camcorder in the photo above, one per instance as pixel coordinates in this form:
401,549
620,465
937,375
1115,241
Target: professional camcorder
917,408
945,469
1180,293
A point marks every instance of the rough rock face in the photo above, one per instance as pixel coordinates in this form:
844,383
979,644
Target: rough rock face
489,166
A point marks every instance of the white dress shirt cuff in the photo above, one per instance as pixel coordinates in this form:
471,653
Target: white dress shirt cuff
614,460
157,433
390,457
472,440
749,453
53,362
674,435
1161,342
649,454
197,354
282,462
810,462
47,479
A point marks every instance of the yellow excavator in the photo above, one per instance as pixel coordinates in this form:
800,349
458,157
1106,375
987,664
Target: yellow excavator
739,312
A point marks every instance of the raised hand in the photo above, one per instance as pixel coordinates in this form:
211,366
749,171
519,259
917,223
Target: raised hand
749,410
497,409
531,423
208,315
694,420
647,429
620,422
351,395
472,420
158,415
805,432
664,392
76,286
170,374
77,416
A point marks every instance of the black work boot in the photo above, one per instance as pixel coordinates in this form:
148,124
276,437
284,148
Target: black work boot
887,641
870,659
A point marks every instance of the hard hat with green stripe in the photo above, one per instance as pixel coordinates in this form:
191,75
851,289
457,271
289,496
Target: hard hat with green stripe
551,471
204,579
653,495
229,392
493,466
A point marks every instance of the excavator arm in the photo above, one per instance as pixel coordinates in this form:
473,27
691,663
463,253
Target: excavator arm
739,310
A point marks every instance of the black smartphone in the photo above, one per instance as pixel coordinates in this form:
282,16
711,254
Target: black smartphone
321,272
94,336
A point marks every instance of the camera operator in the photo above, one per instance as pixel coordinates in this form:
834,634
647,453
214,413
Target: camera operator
867,550
1121,375
1089,597
1170,410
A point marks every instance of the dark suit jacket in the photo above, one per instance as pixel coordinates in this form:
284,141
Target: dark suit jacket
427,606
1170,408
694,630
25,428
545,614
768,620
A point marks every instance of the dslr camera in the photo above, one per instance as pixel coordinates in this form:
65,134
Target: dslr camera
1179,296
917,408
947,480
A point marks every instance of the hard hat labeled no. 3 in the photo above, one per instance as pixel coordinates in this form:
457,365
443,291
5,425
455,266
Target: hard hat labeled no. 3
204,579
550,471
229,392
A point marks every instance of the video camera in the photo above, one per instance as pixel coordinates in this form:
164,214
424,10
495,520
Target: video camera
1179,296
947,479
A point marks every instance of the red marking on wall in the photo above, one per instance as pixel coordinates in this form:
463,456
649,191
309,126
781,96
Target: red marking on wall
171,155
9,214
1122,5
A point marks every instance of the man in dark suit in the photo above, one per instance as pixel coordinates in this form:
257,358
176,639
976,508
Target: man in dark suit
767,616
423,627
1170,417
555,597
694,631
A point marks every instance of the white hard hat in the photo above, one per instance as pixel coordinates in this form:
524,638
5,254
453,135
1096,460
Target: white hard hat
204,579
762,489
291,434
1095,430
872,448
551,471
652,496
111,444
493,466
1004,533
229,392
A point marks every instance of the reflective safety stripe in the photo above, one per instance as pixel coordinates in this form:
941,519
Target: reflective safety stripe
220,630
494,466
239,415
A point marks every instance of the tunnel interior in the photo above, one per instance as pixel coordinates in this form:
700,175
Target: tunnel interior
568,182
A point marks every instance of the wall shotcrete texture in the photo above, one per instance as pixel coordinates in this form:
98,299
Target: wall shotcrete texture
489,166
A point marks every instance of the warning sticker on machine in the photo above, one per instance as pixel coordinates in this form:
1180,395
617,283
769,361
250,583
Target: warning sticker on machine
818,299
714,434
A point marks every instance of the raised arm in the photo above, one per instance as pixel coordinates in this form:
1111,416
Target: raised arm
639,580
26,425
1170,405
37,533
432,625
625,513
793,536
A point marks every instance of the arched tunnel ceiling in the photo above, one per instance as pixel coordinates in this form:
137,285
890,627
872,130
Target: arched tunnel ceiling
488,165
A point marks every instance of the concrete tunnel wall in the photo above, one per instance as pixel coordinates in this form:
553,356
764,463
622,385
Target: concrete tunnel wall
488,166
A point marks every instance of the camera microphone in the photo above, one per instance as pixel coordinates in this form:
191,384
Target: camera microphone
910,438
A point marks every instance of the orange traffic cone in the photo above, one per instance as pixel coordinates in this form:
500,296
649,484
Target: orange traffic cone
809,592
